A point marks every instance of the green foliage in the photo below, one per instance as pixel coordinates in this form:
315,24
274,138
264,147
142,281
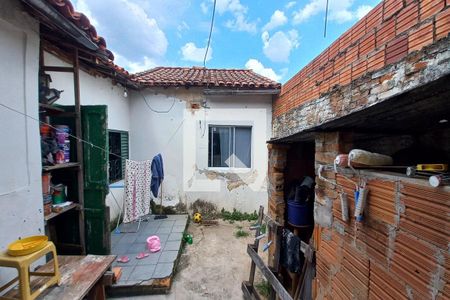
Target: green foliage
241,233
238,216
263,288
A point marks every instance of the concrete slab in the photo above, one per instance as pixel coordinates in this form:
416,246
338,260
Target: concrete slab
149,274
168,256
163,270
144,272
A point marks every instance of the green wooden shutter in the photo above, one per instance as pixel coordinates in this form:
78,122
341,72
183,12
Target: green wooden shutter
124,150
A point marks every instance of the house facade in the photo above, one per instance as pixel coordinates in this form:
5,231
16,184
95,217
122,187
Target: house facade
211,134
211,127
382,86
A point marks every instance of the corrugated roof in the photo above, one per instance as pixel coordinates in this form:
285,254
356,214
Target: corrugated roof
199,76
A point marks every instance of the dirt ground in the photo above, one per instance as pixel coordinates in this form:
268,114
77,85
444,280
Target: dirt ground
214,266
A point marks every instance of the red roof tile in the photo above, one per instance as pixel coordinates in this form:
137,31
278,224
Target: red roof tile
65,7
199,76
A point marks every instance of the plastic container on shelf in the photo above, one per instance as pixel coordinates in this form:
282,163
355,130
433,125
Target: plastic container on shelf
46,178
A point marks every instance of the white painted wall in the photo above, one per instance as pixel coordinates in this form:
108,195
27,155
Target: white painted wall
95,90
181,136
21,206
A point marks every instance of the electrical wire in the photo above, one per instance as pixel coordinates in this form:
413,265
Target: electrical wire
157,111
71,135
326,19
88,142
210,33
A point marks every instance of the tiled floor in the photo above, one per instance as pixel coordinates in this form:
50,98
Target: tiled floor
157,265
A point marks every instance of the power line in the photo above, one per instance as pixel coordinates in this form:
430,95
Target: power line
326,19
210,33
71,135
88,142
154,110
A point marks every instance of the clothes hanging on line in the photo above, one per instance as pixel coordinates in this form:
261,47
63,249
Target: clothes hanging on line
157,174
137,189
290,251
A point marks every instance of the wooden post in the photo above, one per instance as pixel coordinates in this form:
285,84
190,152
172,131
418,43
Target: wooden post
256,244
79,144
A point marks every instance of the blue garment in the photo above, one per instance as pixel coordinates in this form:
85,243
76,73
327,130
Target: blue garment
157,174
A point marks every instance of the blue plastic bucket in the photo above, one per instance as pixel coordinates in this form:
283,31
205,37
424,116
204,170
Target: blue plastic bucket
299,214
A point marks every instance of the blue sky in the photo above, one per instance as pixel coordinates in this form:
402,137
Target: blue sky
274,38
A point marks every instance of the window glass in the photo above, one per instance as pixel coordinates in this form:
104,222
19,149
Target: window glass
243,145
229,146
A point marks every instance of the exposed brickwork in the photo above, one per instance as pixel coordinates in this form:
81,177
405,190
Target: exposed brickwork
421,37
397,49
399,251
443,24
414,70
421,23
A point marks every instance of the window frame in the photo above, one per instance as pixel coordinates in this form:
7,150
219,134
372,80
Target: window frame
232,138
127,155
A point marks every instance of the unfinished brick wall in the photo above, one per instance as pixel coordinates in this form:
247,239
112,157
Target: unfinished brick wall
400,250
392,36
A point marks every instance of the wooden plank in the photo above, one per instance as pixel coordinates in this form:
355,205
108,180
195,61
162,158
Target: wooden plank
278,287
79,274
64,209
57,69
60,166
249,291
256,244
79,146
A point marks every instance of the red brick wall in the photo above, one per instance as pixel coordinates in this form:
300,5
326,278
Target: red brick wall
393,29
399,251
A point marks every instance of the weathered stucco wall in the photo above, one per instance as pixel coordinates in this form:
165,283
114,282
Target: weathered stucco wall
21,206
398,46
181,136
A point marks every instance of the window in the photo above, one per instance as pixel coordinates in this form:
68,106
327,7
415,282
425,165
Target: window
118,147
230,146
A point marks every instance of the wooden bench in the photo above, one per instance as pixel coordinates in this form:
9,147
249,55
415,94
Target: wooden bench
81,276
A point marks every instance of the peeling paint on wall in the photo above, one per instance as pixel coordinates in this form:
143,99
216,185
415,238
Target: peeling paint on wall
233,180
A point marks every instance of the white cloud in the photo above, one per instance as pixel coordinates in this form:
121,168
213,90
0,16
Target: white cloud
290,4
239,22
204,7
128,29
338,11
259,68
363,10
279,46
183,26
192,53
82,6
233,6
135,66
166,13
278,19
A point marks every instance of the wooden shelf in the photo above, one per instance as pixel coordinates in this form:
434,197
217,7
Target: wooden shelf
54,110
64,209
61,166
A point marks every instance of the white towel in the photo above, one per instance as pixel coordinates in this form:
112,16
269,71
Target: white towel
137,189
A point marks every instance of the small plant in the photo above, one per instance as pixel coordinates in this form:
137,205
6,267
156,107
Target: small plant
207,209
241,233
239,227
236,215
263,288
